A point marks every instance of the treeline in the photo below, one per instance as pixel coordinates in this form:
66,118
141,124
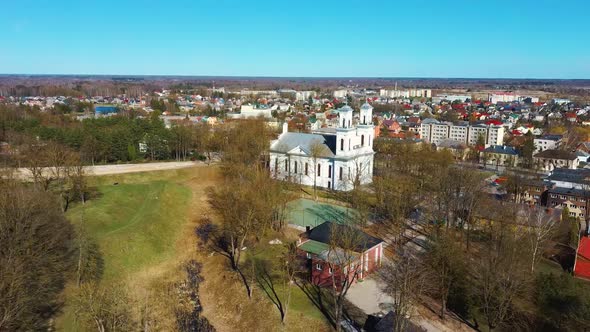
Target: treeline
479,258
122,138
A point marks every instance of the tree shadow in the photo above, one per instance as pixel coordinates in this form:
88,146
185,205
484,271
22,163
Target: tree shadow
315,295
266,283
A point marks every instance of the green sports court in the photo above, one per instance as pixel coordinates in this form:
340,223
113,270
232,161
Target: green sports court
306,212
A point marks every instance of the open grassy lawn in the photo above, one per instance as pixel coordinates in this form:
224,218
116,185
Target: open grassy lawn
144,225
135,222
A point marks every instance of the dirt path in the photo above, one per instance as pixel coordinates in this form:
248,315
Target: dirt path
24,173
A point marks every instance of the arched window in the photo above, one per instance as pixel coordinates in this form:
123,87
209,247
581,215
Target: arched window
348,123
362,140
364,119
341,175
342,144
329,171
319,170
286,165
306,169
343,123
295,164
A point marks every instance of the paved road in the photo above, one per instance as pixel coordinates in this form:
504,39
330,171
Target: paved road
127,168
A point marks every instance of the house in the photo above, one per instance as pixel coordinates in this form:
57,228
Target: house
534,192
547,142
582,261
392,126
333,158
326,259
457,148
500,155
550,159
576,200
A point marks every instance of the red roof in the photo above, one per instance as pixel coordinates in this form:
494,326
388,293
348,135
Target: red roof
494,122
582,267
570,115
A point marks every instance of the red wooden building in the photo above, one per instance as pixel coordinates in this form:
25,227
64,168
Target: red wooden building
582,263
326,260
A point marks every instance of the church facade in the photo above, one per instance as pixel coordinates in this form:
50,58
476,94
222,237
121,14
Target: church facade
339,158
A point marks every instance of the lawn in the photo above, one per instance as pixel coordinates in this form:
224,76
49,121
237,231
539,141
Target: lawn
136,219
306,212
300,304
135,223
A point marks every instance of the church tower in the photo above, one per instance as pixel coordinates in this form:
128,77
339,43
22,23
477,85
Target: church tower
366,116
345,117
345,132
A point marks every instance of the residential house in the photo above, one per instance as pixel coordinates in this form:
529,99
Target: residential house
550,159
326,259
458,149
392,126
500,155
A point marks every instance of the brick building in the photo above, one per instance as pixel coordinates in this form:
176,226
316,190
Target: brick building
325,260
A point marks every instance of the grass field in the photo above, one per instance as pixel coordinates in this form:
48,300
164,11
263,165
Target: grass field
136,223
144,225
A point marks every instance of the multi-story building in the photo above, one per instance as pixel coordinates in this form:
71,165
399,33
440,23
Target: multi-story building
427,93
332,158
550,159
500,155
304,95
534,192
547,142
434,131
575,200
341,93
451,98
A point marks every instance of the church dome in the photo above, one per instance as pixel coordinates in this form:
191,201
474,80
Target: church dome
345,108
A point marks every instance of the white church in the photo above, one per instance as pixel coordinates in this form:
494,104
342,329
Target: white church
337,158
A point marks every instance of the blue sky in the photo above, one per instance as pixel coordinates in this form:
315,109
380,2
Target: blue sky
410,38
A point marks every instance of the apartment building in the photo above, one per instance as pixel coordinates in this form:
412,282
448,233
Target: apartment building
427,93
576,200
434,131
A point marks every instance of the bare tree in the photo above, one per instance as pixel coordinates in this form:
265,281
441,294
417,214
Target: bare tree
317,150
35,256
540,227
344,259
106,307
405,281
501,271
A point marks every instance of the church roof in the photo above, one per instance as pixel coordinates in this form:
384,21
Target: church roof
366,106
345,108
290,141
